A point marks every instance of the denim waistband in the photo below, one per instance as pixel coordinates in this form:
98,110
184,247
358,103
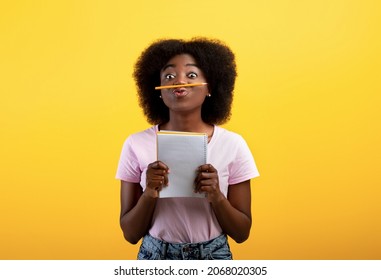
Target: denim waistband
153,248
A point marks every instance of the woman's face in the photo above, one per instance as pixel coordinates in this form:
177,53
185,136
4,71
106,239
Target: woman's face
183,69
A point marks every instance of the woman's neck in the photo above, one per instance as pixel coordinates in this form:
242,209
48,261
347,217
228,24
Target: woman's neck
186,123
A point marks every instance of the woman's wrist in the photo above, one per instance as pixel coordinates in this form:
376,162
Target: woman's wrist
217,199
150,193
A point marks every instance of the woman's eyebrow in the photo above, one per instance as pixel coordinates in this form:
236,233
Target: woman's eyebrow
167,66
174,65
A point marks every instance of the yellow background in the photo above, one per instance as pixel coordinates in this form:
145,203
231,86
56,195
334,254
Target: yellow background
307,101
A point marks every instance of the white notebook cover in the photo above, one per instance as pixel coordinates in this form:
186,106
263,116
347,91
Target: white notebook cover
183,153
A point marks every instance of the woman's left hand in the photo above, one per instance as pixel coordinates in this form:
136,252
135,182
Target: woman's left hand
207,182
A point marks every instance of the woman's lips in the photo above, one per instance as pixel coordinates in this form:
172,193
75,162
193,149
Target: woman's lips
180,92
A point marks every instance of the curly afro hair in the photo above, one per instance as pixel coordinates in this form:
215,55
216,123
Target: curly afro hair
213,57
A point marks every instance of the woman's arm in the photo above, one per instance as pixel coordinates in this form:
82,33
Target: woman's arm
137,207
234,212
136,211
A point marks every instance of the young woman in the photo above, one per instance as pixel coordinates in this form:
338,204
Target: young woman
186,228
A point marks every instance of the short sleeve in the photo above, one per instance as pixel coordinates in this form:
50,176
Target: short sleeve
243,167
128,167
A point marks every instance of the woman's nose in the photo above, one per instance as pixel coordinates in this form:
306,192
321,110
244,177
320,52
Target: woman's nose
179,83
180,80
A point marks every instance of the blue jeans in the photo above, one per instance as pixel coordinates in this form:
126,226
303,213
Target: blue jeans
155,249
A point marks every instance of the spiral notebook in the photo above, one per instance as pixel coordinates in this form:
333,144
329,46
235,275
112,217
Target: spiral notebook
183,153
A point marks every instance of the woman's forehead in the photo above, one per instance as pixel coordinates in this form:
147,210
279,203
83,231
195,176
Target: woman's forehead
180,60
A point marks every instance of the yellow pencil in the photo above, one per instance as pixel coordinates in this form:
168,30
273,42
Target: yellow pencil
181,85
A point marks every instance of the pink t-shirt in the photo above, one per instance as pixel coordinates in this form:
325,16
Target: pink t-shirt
187,220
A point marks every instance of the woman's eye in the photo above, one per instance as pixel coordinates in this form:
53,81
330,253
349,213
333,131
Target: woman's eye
169,76
192,75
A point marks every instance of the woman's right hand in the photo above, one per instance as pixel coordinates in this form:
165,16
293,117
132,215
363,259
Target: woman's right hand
156,178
